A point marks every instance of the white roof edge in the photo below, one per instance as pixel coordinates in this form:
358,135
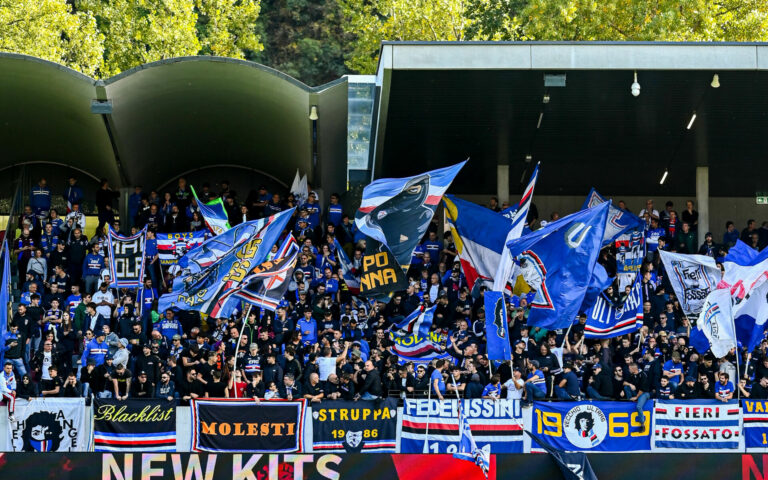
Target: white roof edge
572,56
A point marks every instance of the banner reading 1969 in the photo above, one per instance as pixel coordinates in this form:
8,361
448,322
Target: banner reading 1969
497,426
592,427
353,427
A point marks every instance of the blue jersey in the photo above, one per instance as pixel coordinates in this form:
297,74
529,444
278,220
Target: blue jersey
434,249
314,211
73,301
652,237
169,328
334,214
150,248
48,242
40,198
676,369
94,351
331,285
146,296
722,391
492,390
437,375
418,255
540,381
308,330
92,264
57,223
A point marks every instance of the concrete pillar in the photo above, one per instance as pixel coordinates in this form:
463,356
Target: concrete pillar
502,183
702,200
125,221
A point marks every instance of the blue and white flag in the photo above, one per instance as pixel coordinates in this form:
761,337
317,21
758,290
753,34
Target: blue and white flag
397,211
205,255
418,322
685,425
744,271
506,267
5,295
479,234
556,262
213,213
714,328
692,277
496,329
421,350
743,254
598,282
352,281
750,317
467,448
606,320
572,465
204,291
619,221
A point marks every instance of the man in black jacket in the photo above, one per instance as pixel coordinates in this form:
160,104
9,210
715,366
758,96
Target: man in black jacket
600,384
759,390
149,364
636,389
370,389
687,389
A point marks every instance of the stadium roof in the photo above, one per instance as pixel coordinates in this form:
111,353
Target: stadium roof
155,122
443,102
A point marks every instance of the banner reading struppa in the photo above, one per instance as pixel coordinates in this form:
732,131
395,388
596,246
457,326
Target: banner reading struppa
696,425
48,425
592,426
497,425
240,425
134,425
353,427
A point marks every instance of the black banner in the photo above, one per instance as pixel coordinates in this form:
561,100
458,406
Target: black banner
352,427
240,425
381,275
134,425
126,255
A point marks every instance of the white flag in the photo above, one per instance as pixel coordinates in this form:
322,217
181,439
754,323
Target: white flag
48,425
692,277
716,322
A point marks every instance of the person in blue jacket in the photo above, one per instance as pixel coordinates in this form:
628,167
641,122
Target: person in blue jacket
73,194
92,266
96,350
40,197
169,326
308,328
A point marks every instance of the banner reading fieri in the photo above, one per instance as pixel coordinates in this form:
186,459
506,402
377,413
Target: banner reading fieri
48,425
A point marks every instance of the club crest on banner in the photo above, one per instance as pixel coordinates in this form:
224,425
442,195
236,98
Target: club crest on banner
585,426
498,318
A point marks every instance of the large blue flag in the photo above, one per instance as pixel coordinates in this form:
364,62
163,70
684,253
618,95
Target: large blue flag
598,281
557,262
397,211
607,320
618,222
5,295
203,291
418,323
205,255
496,329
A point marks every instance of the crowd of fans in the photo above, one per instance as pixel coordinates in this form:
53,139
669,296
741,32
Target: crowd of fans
72,335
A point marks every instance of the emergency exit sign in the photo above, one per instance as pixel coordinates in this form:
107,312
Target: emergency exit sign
761,199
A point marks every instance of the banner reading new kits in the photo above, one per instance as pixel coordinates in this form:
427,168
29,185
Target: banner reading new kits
244,426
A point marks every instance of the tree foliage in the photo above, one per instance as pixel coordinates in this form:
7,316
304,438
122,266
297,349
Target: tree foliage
49,29
371,21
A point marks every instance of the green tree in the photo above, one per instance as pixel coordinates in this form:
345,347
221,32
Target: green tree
495,20
49,29
225,28
371,21
303,38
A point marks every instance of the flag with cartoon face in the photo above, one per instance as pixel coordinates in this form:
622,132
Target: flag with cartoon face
48,425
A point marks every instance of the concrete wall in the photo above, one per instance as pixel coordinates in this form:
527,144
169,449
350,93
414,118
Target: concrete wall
721,209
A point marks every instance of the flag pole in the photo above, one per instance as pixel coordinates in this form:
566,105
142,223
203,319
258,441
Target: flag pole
237,347
425,449
566,335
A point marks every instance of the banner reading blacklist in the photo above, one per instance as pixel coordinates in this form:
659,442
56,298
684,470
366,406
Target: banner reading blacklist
242,426
754,414
592,426
497,426
134,425
353,427
696,425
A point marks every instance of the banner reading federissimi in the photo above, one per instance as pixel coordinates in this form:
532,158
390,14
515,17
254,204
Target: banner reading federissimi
240,425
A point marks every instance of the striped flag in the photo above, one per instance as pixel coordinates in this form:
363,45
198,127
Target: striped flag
417,322
213,213
467,448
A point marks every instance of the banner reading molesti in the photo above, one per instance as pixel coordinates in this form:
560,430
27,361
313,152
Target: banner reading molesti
240,425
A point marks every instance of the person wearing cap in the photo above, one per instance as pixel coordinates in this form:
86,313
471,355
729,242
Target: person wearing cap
121,355
142,388
96,350
535,383
251,362
121,382
515,386
600,384
688,390
313,210
303,228
568,387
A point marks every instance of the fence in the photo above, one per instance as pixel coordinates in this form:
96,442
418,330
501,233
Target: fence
420,426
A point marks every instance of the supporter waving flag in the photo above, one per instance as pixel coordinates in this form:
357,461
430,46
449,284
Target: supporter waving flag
418,322
397,211
202,291
619,221
557,263
606,319
213,213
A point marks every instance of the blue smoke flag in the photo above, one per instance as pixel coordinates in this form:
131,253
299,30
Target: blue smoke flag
467,448
750,317
213,213
573,466
479,234
606,320
557,261
210,251
417,322
496,329
397,211
5,296
619,221
203,291
715,327
353,282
